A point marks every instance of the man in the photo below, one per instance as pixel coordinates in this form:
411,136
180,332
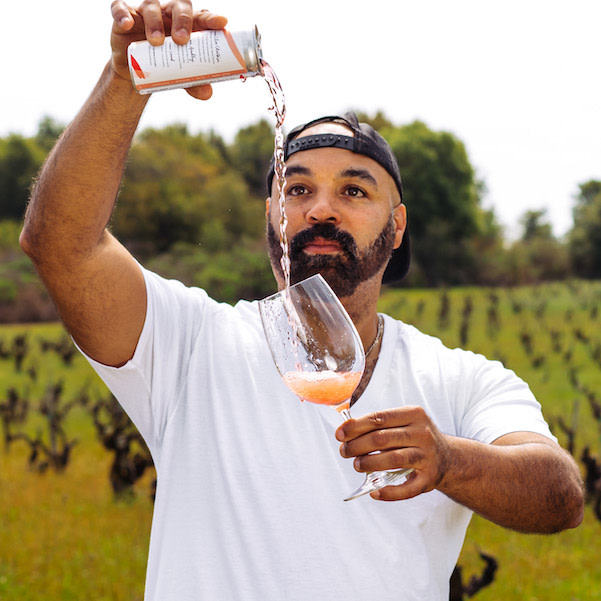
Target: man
250,481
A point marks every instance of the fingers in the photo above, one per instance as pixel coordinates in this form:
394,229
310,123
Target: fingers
123,19
399,417
182,20
413,487
203,92
134,24
152,15
209,20
177,19
386,439
395,458
390,440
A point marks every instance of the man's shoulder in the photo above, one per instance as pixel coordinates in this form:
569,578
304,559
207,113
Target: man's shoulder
417,343
192,302
408,334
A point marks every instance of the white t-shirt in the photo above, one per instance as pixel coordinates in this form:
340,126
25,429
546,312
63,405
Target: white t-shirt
249,502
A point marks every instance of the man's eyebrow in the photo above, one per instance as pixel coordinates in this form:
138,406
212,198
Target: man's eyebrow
297,170
350,172
361,174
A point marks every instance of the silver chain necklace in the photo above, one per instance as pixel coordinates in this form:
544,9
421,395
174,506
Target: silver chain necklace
378,335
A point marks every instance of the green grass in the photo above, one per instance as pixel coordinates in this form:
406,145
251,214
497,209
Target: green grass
65,537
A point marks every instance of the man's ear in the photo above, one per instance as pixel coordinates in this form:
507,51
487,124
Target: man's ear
400,221
267,206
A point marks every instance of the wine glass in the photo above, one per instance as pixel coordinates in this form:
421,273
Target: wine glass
319,354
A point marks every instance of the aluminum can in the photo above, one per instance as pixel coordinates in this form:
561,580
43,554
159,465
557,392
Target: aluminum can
209,56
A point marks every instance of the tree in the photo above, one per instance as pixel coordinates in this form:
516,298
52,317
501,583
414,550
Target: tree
48,132
20,160
379,121
538,256
242,271
251,153
178,188
585,235
443,199
534,226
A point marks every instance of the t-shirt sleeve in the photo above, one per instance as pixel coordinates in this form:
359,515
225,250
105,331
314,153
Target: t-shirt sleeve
148,386
499,403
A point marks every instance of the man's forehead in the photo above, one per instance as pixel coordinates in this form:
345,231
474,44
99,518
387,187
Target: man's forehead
327,127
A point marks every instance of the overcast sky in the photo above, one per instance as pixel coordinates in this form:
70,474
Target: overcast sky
519,82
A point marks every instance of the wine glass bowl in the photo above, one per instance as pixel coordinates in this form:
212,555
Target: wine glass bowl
314,343
319,354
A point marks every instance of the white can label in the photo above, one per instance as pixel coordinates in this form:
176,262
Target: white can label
208,56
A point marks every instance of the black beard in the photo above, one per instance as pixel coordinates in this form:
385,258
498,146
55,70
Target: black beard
344,271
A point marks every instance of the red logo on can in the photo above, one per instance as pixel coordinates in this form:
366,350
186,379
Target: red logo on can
137,69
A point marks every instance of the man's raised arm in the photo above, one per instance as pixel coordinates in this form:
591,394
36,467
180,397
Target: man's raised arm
95,283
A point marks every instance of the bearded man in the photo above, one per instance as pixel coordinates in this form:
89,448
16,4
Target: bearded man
248,501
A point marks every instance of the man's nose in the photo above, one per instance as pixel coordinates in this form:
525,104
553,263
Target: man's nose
324,209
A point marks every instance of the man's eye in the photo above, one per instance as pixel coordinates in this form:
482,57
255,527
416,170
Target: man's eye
354,192
296,190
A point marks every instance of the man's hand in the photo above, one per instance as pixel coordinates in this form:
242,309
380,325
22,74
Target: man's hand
153,22
523,480
393,439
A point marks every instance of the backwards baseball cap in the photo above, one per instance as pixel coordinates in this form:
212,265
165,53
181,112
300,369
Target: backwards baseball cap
368,142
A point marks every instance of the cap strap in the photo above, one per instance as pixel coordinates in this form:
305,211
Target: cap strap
320,141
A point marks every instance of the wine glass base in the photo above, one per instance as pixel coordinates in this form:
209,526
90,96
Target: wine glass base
377,480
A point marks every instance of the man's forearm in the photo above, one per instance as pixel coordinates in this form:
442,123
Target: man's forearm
529,487
75,192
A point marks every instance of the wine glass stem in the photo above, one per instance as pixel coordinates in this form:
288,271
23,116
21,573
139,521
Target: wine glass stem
346,414
376,480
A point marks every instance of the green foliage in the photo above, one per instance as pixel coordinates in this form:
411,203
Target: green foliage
192,214
537,256
22,296
10,229
251,153
48,132
20,160
535,227
243,272
538,260
8,290
443,202
585,236
198,190
379,121
178,188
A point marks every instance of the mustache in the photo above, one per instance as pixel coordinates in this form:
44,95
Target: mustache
325,231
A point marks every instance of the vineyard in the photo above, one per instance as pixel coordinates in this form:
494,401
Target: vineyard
77,483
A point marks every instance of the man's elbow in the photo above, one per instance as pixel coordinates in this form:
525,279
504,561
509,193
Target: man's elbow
575,509
570,511
25,241
30,243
